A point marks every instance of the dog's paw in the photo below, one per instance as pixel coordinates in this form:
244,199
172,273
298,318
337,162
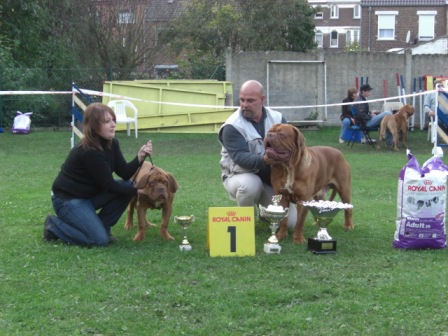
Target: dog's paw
139,237
298,239
348,227
128,225
166,235
281,234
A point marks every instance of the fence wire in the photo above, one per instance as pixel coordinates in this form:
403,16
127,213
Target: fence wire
49,111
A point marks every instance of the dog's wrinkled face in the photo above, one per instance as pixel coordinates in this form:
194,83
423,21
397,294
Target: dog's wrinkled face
283,143
157,184
407,110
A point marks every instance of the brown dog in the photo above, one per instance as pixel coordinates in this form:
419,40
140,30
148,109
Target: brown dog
159,187
397,124
300,173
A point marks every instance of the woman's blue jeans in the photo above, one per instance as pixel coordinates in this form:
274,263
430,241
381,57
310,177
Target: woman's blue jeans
346,122
77,221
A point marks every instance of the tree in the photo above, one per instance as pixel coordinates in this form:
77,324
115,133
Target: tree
20,25
117,33
209,27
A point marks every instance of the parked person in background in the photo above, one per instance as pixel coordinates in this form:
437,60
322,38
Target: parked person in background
347,117
365,117
85,183
245,175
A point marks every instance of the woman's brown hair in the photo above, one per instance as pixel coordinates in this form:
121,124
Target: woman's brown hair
94,116
351,91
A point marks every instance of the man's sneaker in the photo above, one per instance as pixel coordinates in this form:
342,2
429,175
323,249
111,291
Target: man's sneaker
48,235
363,140
341,141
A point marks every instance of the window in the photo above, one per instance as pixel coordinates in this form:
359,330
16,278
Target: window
386,25
334,12
357,12
319,15
334,39
426,25
352,36
319,39
126,17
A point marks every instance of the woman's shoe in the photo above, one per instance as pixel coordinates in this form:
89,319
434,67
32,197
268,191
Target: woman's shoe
112,239
48,235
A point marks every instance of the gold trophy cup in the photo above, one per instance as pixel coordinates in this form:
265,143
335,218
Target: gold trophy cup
185,221
274,213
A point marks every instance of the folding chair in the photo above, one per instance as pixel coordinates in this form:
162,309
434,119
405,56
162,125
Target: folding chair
360,128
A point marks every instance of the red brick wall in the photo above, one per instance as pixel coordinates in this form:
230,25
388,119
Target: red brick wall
406,20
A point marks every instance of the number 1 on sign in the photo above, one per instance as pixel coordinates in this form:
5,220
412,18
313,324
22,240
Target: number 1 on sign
232,231
224,224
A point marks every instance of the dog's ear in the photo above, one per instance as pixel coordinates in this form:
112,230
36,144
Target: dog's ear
299,143
172,183
142,181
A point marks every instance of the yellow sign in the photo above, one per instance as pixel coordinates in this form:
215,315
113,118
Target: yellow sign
231,231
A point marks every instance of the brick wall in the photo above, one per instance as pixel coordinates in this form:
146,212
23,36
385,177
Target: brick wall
406,20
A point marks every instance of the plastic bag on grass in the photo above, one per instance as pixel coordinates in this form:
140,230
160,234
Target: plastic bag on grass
421,202
22,123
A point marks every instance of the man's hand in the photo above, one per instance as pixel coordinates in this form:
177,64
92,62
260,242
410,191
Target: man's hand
271,156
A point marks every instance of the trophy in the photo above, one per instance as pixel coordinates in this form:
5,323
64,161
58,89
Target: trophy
324,212
274,213
185,221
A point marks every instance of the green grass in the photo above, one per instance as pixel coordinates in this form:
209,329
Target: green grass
151,288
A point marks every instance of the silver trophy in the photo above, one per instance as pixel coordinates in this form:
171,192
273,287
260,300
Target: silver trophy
274,213
324,213
185,221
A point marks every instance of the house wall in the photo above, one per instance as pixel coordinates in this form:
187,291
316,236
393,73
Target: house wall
311,79
342,24
406,20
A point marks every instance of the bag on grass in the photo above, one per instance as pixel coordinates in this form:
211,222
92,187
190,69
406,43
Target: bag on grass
22,122
421,202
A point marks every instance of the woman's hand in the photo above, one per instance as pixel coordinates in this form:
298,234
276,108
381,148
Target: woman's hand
145,150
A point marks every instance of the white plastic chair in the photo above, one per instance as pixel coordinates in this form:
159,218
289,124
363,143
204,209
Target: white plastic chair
119,107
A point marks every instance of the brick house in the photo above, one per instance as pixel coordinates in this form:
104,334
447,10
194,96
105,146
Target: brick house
379,25
337,23
158,14
397,24
136,24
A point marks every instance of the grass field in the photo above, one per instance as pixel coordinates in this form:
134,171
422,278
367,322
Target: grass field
151,288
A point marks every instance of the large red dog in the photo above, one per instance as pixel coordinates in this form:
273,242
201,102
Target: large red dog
300,173
397,124
159,187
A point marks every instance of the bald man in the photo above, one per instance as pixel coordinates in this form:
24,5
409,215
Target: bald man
244,173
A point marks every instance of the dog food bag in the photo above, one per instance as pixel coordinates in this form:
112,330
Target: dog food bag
22,122
421,202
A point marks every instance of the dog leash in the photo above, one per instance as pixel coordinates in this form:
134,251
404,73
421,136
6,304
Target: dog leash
141,164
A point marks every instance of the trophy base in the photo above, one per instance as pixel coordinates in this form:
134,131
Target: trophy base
185,248
321,246
270,248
